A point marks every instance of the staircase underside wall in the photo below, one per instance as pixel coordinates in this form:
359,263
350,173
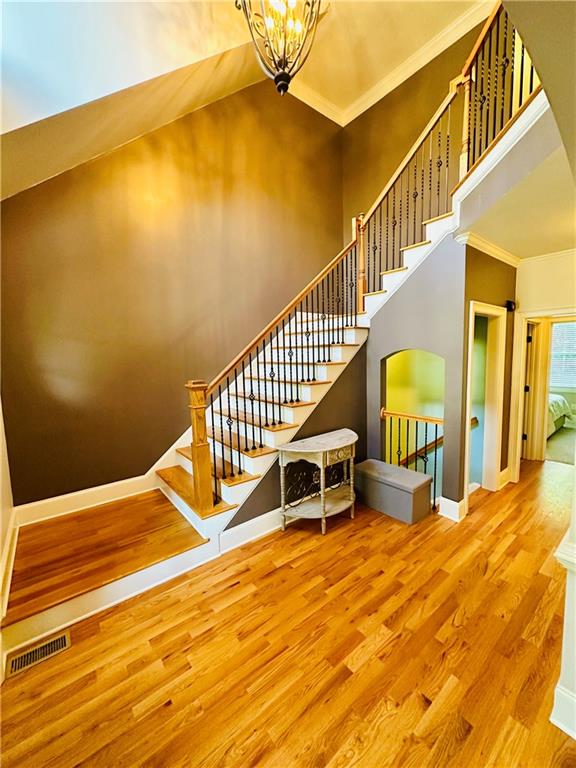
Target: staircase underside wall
426,313
344,405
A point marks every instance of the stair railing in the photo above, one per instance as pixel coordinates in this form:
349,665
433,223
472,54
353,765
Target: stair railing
500,81
247,396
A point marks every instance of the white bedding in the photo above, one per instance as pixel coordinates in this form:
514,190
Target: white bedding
557,406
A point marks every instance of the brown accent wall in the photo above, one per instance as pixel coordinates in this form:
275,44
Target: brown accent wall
494,282
154,264
377,141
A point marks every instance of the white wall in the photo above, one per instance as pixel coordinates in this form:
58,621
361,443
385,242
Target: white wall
58,55
547,283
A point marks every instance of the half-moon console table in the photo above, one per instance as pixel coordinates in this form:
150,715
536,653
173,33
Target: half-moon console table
323,451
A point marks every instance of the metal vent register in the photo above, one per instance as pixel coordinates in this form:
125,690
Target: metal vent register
40,652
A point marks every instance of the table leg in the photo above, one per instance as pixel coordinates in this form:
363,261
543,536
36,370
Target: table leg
323,497
283,494
352,488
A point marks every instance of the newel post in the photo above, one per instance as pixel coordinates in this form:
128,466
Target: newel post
465,130
200,448
361,288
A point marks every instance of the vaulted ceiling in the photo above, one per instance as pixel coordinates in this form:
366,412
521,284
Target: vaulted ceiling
82,78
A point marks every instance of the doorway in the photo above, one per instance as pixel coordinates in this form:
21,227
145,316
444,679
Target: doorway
561,406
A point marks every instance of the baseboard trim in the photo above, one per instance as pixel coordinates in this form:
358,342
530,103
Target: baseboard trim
82,607
251,530
452,510
36,511
563,713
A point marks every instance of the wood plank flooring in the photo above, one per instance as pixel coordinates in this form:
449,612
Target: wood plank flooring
68,556
379,645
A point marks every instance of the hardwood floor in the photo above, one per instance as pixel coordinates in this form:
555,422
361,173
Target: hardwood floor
377,645
67,556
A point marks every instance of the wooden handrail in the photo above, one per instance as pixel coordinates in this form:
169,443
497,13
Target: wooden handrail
413,416
454,84
273,323
481,36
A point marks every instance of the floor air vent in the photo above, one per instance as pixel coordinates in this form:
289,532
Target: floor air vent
40,652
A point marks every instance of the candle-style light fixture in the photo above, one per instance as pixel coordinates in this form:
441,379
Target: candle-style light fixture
283,32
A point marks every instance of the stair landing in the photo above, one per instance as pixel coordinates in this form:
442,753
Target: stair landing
62,558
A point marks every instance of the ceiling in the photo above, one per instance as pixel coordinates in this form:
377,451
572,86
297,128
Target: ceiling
537,216
363,50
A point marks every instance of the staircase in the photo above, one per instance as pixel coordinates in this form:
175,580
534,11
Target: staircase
262,398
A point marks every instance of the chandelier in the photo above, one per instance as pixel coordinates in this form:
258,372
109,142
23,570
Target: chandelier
283,32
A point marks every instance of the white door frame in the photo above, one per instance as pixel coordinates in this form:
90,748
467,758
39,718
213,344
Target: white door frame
494,399
544,319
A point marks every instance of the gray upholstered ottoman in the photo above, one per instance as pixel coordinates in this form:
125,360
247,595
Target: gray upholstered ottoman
398,492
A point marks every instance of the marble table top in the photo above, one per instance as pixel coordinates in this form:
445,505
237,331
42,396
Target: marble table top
329,441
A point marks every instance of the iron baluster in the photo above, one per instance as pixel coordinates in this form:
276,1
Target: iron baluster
213,445
244,407
488,86
399,449
298,363
496,71
355,292
387,228
281,366
379,270
323,318
390,458
238,428
416,446
430,177
221,415
407,441
252,398
504,65
307,336
446,206
521,88
415,196
435,464
229,422
512,56
439,166
266,422
425,457
400,195
272,376
284,364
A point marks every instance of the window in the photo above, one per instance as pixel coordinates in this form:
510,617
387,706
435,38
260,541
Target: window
563,357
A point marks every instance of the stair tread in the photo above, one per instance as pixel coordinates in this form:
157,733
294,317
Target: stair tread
438,218
415,245
375,293
393,271
301,404
217,471
182,483
244,416
264,451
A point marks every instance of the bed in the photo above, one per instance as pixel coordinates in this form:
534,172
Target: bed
558,409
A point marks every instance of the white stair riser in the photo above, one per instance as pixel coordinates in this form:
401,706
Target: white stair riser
318,370
436,229
347,336
270,437
306,392
256,465
231,494
389,282
288,415
209,527
373,303
328,326
415,255
337,354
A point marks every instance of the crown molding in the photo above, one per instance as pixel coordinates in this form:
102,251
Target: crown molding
313,99
547,256
443,40
476,241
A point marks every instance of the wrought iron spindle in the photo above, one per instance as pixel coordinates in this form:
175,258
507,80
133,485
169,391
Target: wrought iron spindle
244,408
307,336
229,422
272,376
238,428
213,445
281,363
266,422
221,415
496,74
251,399
435,466
390,457
323,318
447,200
399,449
354,291
521,86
